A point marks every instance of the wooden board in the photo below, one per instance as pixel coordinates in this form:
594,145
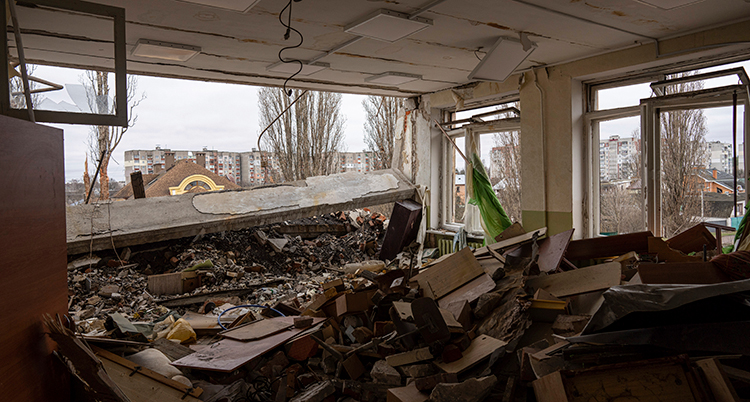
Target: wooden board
34,255
200,322
141,388
680,273
578,281
511,242
552,250
666,254
172,350
257,329
609,246
550,388
447,276
228,355
718,381
693,240
409,393
511,231
481,348
129,367
469,292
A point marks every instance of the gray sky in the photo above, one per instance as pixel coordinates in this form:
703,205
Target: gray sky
181,114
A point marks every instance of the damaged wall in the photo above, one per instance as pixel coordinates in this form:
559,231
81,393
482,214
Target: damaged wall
555,159
155,219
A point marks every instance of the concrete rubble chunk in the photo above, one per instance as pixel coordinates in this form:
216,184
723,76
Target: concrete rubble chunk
382,372
419,370
278,244
471,390
315,393
486,303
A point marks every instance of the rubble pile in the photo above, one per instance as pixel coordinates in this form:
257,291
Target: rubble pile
529,317
278,265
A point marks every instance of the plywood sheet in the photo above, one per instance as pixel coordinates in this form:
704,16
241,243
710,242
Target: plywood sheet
511,242
578,281
228,355
141,388
469,292
681,273
447,276
481,348
608,246
552,250
257,329
34,282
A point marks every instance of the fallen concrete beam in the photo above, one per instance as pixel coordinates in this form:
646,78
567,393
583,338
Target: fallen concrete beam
148,220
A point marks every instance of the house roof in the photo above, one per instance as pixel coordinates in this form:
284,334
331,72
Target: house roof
127,191
158,185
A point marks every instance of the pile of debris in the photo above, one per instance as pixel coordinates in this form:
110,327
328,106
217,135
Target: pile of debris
530,317
260,265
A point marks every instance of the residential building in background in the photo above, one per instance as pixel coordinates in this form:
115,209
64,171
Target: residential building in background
241,168
616,157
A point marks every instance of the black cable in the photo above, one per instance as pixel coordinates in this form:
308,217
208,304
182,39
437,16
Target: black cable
289,28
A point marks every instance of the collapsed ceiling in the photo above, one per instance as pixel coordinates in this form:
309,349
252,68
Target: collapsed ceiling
449,39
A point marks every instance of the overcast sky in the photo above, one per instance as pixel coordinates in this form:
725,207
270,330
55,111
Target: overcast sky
182,114
189,115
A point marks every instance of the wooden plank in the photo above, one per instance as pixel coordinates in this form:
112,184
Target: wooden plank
165,284
578,281
666,254
257,329
609,246
511,242
136,181
141,388
481,348
412,356
447,276
737,374
693,239
718,381
402,229
228,355
550,388
34,282
409,393
469,292
511,231
130,367
200,322
552,250
680,273
173,350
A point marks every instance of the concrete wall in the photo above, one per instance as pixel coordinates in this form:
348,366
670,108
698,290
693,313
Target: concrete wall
554,146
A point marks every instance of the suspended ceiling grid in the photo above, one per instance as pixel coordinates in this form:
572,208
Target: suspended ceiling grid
238,47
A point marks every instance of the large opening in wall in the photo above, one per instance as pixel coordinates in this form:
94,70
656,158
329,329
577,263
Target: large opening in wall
663,153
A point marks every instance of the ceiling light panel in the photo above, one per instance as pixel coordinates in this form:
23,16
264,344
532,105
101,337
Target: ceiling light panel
669,4
393,78
241,6
291,68
388,26
155,49
501,61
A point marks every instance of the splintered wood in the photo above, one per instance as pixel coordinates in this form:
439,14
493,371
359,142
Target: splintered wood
448,275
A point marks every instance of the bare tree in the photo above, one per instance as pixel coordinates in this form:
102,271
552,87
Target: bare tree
307,138
683,150
104,139
505,160
17,97
380,127
621,208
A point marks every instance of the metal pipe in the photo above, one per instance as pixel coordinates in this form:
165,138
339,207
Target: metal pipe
22,59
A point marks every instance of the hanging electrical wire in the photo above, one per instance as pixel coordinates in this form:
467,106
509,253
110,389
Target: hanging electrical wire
289,30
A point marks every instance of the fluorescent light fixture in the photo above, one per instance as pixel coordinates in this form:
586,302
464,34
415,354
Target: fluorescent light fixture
388,26
501,60
668,4
291,68
393,78
241,6
155,49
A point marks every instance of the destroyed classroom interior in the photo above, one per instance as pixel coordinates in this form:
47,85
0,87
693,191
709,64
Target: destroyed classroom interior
305,291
